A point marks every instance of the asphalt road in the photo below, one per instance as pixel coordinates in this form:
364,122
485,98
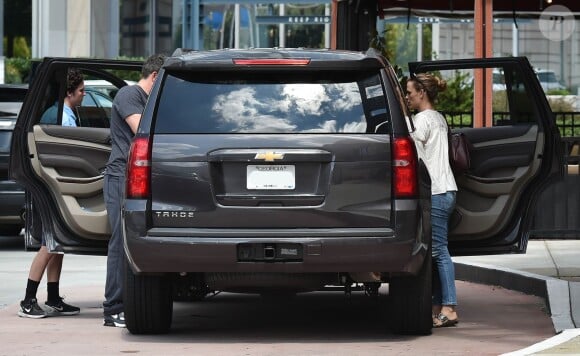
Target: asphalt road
493,321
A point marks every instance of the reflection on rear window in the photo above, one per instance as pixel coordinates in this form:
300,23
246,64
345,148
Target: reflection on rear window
247,106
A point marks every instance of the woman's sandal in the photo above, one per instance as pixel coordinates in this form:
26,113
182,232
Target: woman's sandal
442,321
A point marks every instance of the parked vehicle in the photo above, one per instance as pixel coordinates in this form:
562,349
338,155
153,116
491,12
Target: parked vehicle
101,92
11,193
549,81
278,170
96,98
498,81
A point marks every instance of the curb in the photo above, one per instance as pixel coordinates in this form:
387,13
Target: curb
555,292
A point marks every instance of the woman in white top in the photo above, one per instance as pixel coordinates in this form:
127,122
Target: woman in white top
431,140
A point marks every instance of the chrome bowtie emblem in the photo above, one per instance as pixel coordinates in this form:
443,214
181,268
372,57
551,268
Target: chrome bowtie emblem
269,156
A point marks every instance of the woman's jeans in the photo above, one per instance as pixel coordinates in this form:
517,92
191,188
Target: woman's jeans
442,206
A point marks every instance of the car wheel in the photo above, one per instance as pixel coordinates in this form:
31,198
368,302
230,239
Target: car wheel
148,303
410,301
10,230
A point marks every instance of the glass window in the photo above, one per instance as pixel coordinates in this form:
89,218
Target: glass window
511,103
147,27
258,103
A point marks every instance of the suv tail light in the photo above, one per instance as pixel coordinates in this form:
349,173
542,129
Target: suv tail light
139,169
405,179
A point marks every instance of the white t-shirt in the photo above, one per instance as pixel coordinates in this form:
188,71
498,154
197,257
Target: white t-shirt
431,140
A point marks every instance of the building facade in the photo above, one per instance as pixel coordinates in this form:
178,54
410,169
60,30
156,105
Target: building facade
137,28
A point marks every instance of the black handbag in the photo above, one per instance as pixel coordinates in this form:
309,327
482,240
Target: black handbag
459,156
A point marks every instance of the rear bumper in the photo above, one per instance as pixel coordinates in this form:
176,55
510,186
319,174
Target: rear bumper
164,250
355,254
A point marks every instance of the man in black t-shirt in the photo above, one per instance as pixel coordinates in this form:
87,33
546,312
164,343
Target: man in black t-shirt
125,117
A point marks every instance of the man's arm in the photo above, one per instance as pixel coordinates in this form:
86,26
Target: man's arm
133,122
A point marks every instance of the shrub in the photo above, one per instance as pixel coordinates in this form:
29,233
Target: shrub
558,92
561,104
459,94
16,70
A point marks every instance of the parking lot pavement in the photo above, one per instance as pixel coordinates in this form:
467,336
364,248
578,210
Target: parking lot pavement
549,269
493,321
502,320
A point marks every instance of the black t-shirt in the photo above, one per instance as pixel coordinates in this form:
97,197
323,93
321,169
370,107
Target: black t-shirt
128,101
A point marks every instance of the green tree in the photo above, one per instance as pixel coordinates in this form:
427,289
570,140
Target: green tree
459,94
21,48
401,43
16,70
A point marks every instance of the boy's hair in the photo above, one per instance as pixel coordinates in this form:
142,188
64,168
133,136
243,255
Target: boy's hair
74,78
152,64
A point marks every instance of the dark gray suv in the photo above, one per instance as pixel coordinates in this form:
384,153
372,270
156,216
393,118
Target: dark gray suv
285,171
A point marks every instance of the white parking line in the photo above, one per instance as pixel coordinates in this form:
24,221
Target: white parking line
561,338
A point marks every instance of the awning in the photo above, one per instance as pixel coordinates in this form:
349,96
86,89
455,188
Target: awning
460,8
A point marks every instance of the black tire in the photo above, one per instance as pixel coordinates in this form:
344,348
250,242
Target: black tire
148,303
410,301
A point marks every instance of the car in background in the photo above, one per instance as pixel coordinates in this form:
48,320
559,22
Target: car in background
105,87
498,80
549,81
11,193
95,109
96,98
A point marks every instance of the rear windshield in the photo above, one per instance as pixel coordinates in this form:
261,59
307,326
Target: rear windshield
275,103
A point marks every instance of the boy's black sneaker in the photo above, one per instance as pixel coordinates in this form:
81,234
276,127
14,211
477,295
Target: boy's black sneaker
61,308
117,320
31,309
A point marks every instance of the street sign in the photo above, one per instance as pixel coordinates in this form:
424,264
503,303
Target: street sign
294,20
434,20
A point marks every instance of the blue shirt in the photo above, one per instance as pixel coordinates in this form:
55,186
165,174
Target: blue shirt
50,116
68,117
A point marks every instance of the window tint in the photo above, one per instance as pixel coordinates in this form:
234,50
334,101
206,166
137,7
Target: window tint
511,98
103,100
260,103
514,105
88,100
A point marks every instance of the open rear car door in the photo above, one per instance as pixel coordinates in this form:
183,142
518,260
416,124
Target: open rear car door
514,157
62,168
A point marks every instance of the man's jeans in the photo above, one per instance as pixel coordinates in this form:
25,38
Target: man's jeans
114,191
444,293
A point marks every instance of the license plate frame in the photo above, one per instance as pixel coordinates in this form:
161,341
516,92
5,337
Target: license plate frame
271,177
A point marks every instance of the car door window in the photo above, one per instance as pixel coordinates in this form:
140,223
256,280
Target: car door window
95,110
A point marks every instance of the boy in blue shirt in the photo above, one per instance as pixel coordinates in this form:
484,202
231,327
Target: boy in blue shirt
44,260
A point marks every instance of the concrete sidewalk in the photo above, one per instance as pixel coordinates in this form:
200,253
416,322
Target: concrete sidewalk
550,269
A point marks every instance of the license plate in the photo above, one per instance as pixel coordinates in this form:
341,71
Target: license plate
271,177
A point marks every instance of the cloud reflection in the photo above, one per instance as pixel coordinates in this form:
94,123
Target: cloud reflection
291,108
